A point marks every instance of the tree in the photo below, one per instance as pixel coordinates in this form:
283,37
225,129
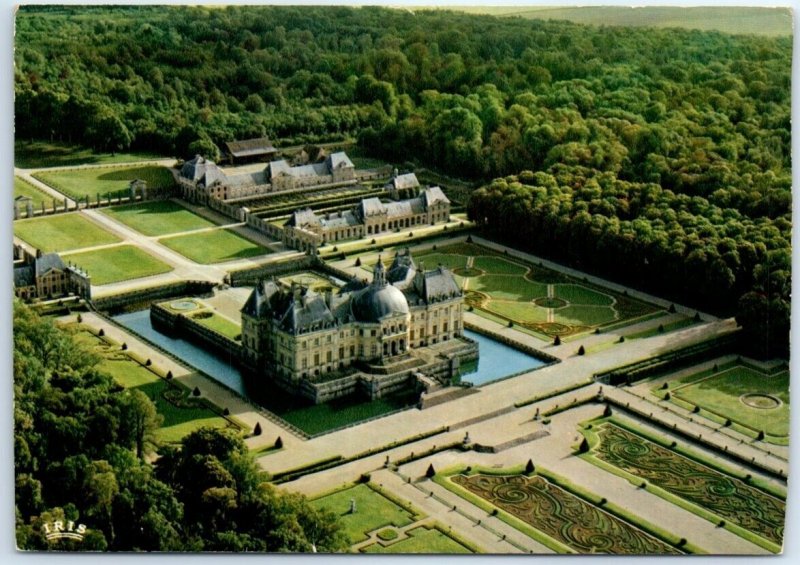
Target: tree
584,447
257,429
430,472
529,467
140,418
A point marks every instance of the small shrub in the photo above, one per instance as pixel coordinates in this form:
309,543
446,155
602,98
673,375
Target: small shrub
760,436
529,467
364,478
672,309
124,347
696,409
715,368
748,477
431,472
661,328
584,447
196,391
257,429
226,412
697,317
581,350
102,332
607,412
546,421
665,386
372,242
434,247
622,339
510,324
278,443
358,262
728,422
721,523
603,501
667,396
681,542
469,239
597,331
673,444
644,484
335,248
80,318
494,512
148,363
557,340
169,375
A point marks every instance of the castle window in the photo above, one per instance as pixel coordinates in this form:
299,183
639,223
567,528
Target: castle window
305,363
352,351
316,359
341,353
329,357
329,338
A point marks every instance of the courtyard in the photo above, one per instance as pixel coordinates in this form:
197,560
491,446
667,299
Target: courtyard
81,183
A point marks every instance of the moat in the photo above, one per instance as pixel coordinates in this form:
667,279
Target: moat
497,361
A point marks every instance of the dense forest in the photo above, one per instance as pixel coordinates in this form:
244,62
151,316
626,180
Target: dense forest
659,157
80,452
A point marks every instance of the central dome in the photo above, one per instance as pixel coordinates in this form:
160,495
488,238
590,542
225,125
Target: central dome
376,302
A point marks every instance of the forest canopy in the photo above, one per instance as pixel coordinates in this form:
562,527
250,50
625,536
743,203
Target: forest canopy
672,146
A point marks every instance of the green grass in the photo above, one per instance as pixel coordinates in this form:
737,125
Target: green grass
433,260
519,311
498,266
40,154
179,421
505,287
24,188
214,246
311,280
672,326
721,394
62,232
584,315
373,511
738,20
79,183
421,540
577,294
158,217
219,324
115,264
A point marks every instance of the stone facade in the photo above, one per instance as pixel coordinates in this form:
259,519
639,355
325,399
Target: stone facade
307,230
294,336
48,277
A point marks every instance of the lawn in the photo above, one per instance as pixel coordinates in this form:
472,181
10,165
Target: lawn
433,260
499,266
577,294
506,287
121,263
80,183
181,418
722,394
40,154
62,232
310,280
159,217
373,510
580,315
24,188
519,311
218,323
214,246
421,540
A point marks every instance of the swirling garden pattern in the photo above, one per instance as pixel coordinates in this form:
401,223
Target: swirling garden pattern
725,496
562,516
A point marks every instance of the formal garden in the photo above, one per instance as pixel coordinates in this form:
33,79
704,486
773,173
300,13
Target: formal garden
553,512
116,264
368,511
531,297
88,182
181,412
159,217
62,232
750,508
750,400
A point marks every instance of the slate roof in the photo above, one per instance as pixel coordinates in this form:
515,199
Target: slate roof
402,270
306,312
280,167
23,276
48,262
371,207
202,170
401,182
303,217
250,147
433,195
340,220
339,160
261,299
438,284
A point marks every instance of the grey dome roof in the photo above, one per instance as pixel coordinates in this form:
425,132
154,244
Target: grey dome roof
376,302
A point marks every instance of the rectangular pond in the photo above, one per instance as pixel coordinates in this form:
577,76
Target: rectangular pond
497,361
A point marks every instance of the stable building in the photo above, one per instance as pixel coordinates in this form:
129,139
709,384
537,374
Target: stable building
306,230
47,276
336,169
249,150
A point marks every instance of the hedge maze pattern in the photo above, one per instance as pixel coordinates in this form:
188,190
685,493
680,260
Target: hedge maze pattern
725,496
562,516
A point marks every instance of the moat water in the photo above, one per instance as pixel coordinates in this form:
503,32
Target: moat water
496,362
